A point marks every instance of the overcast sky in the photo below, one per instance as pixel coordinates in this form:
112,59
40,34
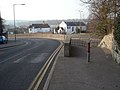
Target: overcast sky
43,9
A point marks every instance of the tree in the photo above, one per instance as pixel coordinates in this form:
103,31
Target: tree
104,12
1,26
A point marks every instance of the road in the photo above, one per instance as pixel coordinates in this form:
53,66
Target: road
19,65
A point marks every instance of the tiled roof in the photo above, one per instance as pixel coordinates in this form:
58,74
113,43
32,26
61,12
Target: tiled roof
75,23
39,26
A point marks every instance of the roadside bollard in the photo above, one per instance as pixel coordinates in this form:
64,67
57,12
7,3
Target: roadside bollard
88,52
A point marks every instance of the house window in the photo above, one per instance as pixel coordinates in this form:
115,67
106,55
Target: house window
72,28
68,27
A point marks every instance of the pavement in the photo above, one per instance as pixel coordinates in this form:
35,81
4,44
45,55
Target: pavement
12,43
75,73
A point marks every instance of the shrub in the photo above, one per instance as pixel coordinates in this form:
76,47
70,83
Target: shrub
117,30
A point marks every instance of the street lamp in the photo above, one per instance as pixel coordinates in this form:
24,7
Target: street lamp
80,20
14,18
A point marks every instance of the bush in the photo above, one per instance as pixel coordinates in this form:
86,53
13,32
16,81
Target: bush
117,29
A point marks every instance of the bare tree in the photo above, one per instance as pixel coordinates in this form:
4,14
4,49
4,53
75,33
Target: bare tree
103,11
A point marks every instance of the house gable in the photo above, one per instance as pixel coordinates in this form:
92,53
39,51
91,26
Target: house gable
63,24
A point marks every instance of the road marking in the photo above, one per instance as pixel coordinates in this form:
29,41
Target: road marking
10,58
44,72
39,58
6,48
20,59
36,82
17,54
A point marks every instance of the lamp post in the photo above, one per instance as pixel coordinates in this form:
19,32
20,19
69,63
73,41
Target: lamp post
14,18
80,20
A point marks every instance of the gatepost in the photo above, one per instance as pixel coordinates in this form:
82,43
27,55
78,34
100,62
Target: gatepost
67,47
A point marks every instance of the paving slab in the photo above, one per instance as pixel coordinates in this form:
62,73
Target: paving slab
75,73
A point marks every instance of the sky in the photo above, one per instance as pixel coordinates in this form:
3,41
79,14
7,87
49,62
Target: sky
43,9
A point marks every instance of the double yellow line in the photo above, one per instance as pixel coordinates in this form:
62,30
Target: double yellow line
38,79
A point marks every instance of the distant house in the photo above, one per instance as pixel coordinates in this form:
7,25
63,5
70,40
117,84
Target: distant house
34,28
72,27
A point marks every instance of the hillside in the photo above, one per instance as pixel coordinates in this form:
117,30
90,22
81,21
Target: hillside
25,23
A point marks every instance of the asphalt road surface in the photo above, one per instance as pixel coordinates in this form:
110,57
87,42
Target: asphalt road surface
19,65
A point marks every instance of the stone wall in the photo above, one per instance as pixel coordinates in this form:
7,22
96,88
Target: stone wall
106,42
109,43
116,52
39,35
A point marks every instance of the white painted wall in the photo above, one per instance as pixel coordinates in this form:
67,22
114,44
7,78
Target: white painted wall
35,30
69,30
45,30
83,28
63,24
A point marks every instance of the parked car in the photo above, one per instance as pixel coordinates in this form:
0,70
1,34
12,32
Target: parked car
3,39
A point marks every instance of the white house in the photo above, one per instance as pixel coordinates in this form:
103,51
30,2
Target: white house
34,28
71,27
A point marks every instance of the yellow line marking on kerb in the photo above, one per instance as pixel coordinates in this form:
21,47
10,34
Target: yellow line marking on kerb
44,72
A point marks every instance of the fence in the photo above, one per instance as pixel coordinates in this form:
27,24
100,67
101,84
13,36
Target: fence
84,41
